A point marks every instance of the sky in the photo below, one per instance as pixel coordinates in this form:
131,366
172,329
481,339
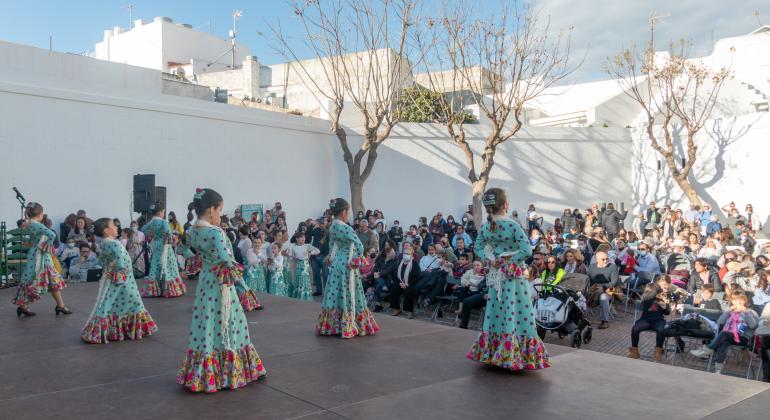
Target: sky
600,27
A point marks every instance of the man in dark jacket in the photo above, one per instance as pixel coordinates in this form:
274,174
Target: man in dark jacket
396,234
653,215
319,239
568,220
612,220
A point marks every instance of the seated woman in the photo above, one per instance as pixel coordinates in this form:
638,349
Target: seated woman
552,275
655,306
762,292
407,276
384,275
737,328
703,274
572,262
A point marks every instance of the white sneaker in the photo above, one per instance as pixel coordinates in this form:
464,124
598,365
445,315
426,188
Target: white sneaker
718,368
702,353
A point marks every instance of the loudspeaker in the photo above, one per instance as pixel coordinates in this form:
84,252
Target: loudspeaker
144,192
160,197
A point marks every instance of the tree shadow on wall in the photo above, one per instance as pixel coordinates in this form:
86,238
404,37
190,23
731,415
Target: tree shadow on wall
658,183
723,133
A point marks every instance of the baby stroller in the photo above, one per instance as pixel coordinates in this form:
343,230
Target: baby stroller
679,267
561,309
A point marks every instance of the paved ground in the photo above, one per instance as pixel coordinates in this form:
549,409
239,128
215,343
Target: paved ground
410,370
616,340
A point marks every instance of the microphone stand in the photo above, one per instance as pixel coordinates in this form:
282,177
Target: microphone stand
22,202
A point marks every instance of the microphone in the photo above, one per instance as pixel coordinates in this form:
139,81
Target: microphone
18,194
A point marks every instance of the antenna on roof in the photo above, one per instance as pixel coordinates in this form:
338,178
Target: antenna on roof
654,18
130,8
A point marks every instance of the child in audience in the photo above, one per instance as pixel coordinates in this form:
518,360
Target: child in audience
463,265
706,299
738,326
470,283
277,284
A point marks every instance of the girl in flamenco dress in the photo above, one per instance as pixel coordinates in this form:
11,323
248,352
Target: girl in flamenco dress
119,313
277,284
301,252
344,311
255,275
39,275
163,279
219,352
508,338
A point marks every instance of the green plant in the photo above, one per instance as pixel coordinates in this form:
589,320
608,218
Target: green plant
418,105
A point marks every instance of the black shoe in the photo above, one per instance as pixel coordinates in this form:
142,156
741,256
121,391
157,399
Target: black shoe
317,294
65,310
378,308
20,311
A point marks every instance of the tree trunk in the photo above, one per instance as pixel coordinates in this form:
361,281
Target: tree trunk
356,194
478,194
689,190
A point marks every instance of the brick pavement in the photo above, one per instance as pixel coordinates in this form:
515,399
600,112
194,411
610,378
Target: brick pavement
617,339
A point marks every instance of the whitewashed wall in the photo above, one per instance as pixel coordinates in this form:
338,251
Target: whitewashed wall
73,132
733,156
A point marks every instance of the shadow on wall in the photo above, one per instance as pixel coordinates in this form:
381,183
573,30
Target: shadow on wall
723,134
651,183
552,172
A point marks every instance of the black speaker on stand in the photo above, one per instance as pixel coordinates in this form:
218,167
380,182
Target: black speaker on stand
160,197
144,192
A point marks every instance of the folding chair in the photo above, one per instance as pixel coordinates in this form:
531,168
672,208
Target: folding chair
445,301
635,286
751,347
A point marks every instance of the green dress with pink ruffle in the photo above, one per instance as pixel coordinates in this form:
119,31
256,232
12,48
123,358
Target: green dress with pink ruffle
119,313
343,310
219,352
163,278
508,338
38,275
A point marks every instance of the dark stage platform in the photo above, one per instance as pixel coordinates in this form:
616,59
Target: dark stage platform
410,370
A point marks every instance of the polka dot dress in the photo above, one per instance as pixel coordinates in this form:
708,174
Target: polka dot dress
219,352
508,338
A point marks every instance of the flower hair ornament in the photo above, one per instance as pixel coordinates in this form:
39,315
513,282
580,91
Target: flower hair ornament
332,203
198,193
489,199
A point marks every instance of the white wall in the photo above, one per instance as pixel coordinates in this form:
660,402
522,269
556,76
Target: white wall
732,155
420,171
72,145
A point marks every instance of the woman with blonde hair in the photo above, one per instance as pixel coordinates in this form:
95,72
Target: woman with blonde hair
572,262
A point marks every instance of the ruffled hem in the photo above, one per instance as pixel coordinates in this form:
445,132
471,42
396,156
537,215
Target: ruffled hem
249,300
174,288
346,324
151,288
509,351
212,371
46,280
118,328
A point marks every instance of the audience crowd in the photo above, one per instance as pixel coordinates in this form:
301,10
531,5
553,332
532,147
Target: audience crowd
685,271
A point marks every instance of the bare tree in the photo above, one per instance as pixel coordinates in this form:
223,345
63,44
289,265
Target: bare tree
673,92
497,63
361,57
